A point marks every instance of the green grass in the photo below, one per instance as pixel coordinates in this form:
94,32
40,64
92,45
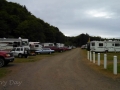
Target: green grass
4,72
30,59
109,56
33,58
109,59
110,68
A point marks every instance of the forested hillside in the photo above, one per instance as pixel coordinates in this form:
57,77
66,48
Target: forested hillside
16,21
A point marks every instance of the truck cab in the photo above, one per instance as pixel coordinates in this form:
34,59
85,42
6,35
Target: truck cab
20,52
6,57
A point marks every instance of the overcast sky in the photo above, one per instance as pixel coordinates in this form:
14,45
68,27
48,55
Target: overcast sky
74,17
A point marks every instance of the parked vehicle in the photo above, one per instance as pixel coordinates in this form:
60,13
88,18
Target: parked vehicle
56,49
83,46
35,47
20,52
9,43
5,58
105,46
44,50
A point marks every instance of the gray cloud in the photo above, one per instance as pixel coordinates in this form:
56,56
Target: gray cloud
73,17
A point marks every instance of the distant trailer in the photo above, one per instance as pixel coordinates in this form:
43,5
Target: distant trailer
47,44
105,46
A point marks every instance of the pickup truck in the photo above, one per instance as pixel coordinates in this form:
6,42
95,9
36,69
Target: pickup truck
5,58
20,52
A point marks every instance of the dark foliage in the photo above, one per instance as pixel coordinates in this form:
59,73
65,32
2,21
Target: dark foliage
16,21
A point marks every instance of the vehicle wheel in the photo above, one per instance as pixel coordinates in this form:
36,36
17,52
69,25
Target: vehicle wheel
20,55
61,51
2,62
26,56
49,52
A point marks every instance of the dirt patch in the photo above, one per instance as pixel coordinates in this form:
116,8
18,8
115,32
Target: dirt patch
100,69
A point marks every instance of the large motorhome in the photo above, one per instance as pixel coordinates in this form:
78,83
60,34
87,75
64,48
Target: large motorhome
9,43
105,46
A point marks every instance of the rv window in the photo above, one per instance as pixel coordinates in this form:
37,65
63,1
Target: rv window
50,44
113,44
117,44
10,44
36,45
24,43
93,44
100,44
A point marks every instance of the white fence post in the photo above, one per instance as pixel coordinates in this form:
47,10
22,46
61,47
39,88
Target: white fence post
115,65
98,59
88,55
105,61
93,57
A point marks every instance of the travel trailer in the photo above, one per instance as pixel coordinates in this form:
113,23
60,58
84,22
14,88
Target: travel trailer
35,46
105,46
9,43
59,44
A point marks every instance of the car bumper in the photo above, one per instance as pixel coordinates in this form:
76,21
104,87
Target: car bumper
10,59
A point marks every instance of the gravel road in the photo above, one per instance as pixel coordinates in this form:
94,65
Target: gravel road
65,71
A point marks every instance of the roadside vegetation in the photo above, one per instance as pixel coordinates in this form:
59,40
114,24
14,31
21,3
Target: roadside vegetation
109,60
31,58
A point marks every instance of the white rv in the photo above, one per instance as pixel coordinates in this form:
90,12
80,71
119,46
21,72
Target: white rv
105,46
47,44
35,46
59,44
9,43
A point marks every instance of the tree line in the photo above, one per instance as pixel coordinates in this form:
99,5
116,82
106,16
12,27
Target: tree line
16,21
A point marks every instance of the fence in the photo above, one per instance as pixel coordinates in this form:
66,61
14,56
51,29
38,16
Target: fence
91,56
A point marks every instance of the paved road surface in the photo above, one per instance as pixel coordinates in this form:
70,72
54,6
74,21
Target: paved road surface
65,71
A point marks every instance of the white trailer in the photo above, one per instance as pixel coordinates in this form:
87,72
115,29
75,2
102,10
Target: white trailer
9,43
105,46
59,44
35,46
47,44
